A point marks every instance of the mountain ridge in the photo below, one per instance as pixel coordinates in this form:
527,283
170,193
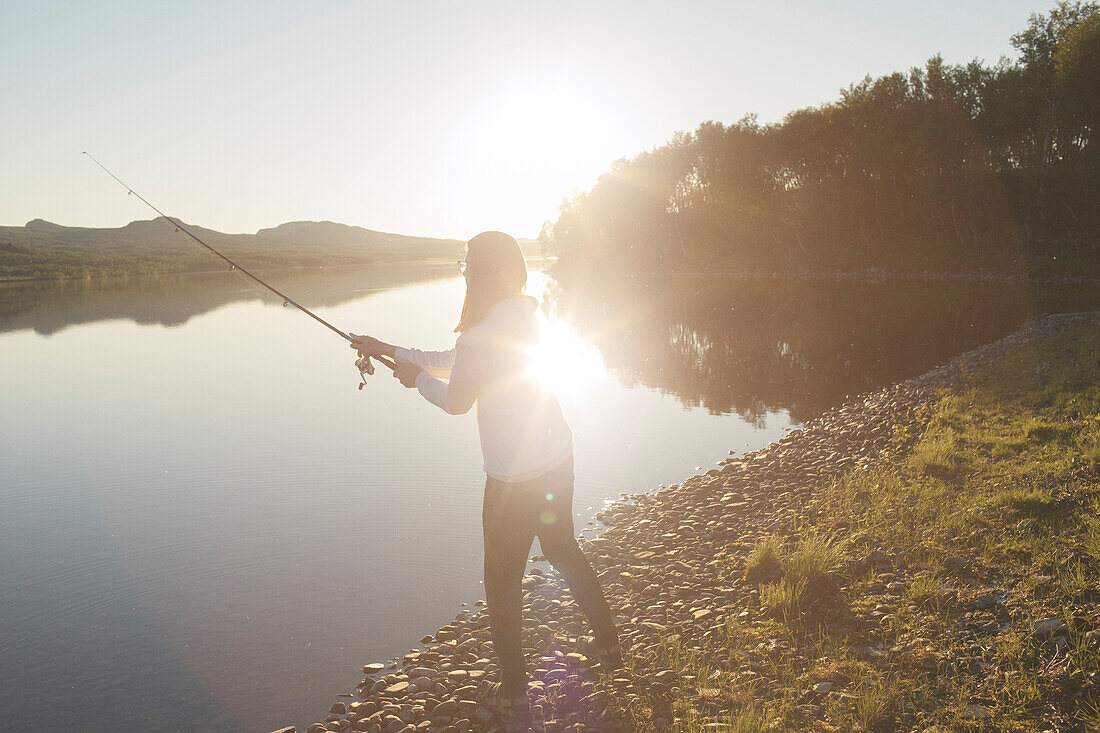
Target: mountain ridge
42,248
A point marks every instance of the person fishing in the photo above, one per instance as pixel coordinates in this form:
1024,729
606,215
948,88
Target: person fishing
527,448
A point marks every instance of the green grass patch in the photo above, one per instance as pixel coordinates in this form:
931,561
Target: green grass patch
813,561
783,599
763,562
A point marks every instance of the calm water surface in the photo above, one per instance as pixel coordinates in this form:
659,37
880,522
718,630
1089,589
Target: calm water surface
204,526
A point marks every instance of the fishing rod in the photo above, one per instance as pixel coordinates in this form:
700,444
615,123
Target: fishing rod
363,363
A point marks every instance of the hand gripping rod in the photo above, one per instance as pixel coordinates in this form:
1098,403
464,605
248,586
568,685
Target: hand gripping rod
233,265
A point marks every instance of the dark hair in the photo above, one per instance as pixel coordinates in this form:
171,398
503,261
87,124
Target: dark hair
495,270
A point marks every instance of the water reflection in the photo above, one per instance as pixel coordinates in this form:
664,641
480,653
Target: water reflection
754,346
47,306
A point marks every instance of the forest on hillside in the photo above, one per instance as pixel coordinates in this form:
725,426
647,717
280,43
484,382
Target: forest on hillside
941,168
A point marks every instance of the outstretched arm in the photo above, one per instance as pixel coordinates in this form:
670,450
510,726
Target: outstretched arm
370,346
467,377
436,363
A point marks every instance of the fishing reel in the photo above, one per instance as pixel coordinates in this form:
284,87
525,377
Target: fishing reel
365,367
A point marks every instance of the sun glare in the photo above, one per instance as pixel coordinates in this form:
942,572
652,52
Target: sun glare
529,145
562,361
547,125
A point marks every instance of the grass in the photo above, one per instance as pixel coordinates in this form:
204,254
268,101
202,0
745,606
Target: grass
925,590
814,560
749,719
871,705
806,575
1005,475
783,599
1090,542
763,561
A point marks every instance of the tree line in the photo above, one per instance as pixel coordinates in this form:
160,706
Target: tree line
945,167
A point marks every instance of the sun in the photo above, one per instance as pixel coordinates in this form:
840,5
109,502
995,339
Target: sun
550,125
527,145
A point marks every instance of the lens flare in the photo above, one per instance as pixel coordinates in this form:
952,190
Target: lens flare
562,361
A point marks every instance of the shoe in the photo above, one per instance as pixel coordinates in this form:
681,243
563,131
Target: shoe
610,658
514,712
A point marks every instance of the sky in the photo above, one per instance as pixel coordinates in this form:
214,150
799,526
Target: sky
424,118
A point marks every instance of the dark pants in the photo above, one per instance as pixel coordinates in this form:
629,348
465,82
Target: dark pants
512,515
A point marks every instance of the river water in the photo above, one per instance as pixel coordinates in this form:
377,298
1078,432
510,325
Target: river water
205,526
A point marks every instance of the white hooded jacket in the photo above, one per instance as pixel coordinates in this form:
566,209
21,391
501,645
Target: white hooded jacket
522,430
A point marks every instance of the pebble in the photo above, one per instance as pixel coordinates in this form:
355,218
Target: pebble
956,565
1047,627
977,712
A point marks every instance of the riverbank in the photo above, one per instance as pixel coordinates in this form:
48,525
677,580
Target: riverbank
920,558
1082,275
884,276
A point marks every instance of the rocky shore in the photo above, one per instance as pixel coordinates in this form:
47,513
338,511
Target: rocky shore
673,565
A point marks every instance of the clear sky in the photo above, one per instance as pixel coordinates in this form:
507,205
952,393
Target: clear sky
432,118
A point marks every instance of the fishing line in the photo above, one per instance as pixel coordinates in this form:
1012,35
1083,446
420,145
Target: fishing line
363,364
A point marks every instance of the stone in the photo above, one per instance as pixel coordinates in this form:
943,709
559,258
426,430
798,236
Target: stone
976,712
957,565
446,709
338,708
983,602
1047,627
865,652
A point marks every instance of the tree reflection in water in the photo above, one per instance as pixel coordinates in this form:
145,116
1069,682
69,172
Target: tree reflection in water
48,306
753,346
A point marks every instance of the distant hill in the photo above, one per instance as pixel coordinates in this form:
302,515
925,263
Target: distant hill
335,238
44,249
